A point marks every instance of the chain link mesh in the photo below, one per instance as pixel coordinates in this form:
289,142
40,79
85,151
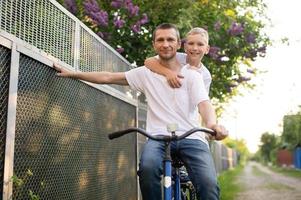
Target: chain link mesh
4,85
95,56
41,24
61,146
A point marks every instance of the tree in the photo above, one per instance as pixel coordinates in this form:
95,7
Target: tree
235,29
292,130
268,147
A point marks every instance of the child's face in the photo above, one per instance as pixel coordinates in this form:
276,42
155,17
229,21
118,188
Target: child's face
196,46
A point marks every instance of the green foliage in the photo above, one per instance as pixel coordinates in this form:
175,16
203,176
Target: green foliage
21,182
235,29
240,146
291,135
268,148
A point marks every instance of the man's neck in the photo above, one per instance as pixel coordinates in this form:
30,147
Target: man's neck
172,64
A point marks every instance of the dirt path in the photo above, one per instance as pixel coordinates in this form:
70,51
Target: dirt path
260,183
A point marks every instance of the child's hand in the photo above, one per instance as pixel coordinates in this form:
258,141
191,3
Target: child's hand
174,79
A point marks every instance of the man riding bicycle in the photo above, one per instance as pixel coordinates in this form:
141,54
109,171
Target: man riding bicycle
168,105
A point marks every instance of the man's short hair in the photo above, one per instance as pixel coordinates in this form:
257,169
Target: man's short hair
165,26
201,31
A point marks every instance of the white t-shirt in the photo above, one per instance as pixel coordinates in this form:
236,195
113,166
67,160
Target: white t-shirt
182,57
168,105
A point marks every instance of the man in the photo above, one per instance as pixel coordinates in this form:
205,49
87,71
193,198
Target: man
168,105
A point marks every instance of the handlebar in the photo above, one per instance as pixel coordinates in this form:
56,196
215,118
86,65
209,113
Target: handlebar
159,137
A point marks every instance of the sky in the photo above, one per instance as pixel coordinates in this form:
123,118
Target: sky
278,91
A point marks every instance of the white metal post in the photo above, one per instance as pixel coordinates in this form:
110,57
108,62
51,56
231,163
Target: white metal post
11,124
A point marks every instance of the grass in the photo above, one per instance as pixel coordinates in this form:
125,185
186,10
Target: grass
228,184
287,171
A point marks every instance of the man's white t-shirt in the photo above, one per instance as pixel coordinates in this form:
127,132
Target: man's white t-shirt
168,105
182,58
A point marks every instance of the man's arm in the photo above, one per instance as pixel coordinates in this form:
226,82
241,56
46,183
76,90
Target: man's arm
207,113
173,78
93,77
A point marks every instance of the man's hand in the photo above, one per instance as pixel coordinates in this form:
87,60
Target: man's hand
221,132
174,79
63,72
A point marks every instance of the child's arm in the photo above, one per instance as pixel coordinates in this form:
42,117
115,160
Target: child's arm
173,78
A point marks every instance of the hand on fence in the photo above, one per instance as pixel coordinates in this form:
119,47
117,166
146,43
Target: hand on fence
63,72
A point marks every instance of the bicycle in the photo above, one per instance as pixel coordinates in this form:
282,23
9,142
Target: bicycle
167,161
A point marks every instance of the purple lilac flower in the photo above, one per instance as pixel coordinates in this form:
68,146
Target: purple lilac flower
217,26
100,34
91,6
71,6
117,4
262,49
144,19
120,50
243,79
133,10
251,71
251,54
136,28
118,23
104,35
214,52
250,38
101,18
236,29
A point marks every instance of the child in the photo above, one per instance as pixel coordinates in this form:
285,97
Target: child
196,46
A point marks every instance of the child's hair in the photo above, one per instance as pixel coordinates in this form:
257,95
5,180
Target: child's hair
198,30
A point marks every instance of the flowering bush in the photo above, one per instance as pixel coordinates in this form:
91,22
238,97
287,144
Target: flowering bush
118,22
235,30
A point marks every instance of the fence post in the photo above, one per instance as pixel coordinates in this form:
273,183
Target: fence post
11,124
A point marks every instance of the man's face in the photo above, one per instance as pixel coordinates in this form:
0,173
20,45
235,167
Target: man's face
196,46
166,43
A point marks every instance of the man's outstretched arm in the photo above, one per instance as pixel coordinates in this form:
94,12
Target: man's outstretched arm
93,77
207,113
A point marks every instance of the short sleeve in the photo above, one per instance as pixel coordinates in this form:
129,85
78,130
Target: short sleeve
197,89
136,77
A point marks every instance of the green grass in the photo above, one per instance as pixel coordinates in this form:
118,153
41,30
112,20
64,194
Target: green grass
287,171
228,184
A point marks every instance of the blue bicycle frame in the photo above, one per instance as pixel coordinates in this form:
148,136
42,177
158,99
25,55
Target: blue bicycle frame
167,180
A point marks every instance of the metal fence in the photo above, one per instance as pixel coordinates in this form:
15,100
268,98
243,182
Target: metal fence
53,131
224,157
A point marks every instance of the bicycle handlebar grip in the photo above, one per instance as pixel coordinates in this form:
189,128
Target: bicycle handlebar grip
120,133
